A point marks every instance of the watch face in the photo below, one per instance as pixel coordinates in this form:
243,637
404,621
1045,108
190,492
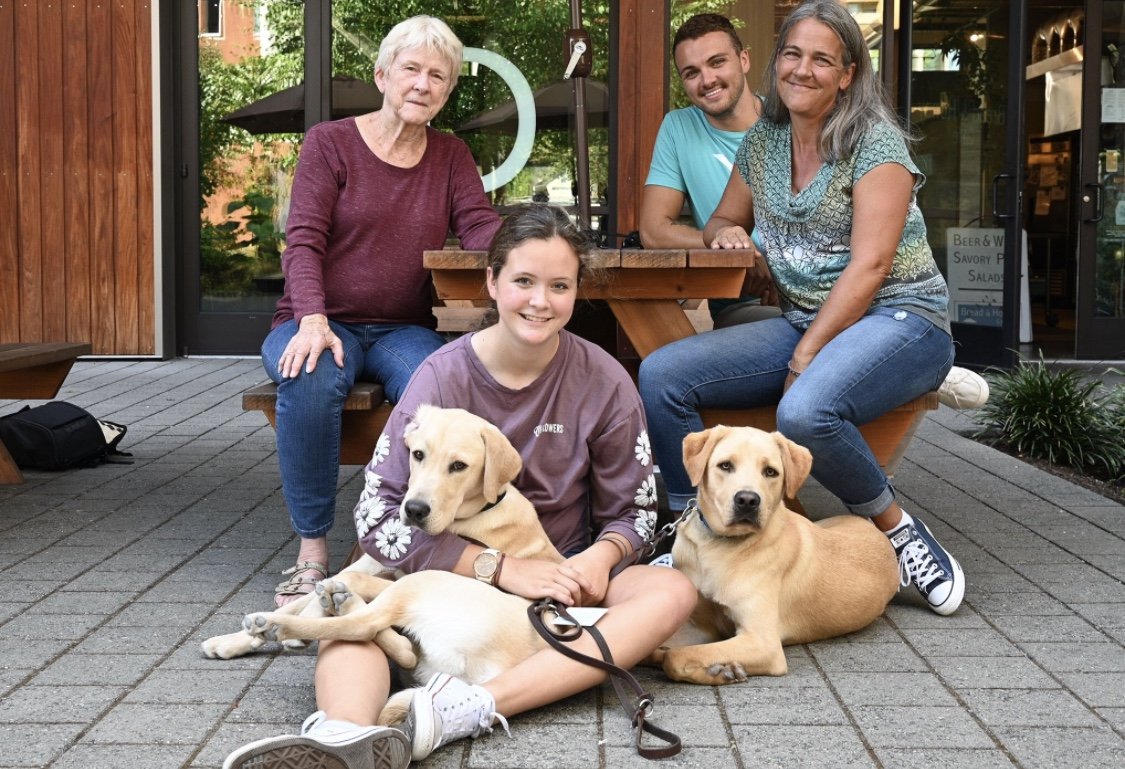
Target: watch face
485,564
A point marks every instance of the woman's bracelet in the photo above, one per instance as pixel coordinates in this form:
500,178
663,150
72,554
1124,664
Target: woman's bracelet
619,542
795,373
499,566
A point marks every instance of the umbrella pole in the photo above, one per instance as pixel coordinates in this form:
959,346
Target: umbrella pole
581,145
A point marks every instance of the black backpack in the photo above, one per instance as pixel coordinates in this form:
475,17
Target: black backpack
59,436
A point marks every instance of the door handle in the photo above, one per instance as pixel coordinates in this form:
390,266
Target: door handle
1099,209
996,196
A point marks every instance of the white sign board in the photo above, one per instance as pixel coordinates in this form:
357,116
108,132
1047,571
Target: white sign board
975,267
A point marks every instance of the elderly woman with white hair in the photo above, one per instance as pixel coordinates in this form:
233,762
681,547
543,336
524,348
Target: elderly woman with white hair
371,193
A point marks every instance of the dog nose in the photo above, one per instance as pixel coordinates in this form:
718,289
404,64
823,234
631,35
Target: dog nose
415,510
746,502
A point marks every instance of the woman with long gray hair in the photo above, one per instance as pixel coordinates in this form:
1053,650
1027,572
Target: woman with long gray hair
826,179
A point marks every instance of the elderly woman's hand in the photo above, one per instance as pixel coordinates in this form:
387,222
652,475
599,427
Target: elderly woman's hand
304,349
732,237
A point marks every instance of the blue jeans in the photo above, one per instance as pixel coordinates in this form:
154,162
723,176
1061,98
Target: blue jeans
310,406
887,358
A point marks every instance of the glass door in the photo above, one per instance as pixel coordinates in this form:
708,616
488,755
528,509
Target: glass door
966,91
1101,270
242,97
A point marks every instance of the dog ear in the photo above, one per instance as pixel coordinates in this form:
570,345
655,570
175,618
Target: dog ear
697,450
416,420
502,463
796,461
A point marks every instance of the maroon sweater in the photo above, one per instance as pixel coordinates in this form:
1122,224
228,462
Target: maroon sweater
358,226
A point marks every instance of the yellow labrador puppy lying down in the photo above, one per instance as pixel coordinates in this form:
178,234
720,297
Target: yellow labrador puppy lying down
461,471
767,577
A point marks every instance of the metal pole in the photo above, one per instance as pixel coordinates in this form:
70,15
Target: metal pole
581,145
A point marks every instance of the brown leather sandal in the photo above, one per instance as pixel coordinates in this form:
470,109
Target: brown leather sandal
299,583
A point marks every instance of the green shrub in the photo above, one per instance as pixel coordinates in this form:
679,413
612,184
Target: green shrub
1057,414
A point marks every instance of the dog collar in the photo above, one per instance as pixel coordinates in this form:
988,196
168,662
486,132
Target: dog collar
491,505
703,522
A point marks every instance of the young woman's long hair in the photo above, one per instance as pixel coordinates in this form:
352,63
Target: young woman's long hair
858,108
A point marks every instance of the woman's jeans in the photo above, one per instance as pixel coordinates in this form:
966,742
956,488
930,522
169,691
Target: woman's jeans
310,407
887,358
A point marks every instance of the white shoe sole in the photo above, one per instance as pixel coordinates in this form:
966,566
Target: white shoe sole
388,749
952,601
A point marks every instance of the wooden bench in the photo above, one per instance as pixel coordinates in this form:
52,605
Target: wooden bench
888,436
365,414
32,370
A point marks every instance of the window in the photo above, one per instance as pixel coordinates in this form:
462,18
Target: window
211,17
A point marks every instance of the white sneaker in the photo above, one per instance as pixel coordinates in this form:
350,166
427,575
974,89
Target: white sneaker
326,744
448,709
963,389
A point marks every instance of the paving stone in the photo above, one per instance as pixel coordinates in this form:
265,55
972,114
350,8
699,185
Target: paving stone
78,603
50,626
920,727
172,686
1026,604
157,724
805,705
1028,707
903,758
566,746
97,669
1077,657
1073,748
91,756
1106,690
29,655
992,673
903,689
57,704
152,613
142,640
978,642
890,657
1060,628
810,747
35,744
285,706
692,757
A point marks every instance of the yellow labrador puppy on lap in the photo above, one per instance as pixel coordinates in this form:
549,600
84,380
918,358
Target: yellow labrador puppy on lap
767,577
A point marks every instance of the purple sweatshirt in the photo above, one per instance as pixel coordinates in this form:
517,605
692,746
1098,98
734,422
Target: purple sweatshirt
358,226
579,428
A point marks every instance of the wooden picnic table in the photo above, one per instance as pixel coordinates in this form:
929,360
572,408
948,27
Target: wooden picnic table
644,288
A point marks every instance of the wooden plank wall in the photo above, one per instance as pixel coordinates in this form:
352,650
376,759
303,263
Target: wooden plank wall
76,174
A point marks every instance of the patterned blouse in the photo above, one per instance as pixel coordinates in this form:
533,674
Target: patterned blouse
806,236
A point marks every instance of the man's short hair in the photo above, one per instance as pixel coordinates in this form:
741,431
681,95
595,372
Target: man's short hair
704,24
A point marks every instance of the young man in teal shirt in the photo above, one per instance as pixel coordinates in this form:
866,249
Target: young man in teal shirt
692,159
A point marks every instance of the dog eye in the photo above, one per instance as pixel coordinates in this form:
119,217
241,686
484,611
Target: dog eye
726,467
418,454
770,472
456,467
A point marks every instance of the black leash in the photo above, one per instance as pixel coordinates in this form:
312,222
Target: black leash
637,704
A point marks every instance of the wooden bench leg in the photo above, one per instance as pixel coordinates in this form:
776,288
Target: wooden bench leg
10,474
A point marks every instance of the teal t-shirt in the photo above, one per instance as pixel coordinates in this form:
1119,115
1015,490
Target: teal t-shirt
806,237
694,157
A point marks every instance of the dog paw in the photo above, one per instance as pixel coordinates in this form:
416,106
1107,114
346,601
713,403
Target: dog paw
225,647
260,626
333,596
727,672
